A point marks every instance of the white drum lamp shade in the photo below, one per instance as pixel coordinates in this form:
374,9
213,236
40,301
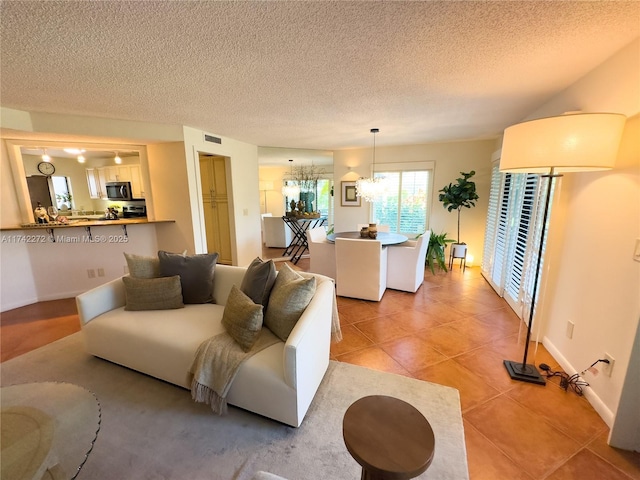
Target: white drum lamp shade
567,143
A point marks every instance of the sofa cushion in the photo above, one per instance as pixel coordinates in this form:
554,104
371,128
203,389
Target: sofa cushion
142,267
242,318
161,293
195,271
258,281
289,297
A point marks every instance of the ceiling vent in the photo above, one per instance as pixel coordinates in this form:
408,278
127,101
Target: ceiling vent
212,139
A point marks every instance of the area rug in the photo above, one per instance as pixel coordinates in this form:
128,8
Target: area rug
153,430
47,430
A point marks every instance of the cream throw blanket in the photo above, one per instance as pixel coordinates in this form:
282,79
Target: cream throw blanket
216,364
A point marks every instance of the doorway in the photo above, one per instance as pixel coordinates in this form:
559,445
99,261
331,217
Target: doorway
215,205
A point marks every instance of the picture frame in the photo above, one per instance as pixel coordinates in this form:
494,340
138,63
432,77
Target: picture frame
349,197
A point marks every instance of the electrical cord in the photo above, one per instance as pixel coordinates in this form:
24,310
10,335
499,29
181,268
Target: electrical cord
575,382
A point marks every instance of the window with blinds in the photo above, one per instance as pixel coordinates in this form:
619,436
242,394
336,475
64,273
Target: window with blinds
513,228
404,208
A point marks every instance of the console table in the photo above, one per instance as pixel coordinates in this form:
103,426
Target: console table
299,227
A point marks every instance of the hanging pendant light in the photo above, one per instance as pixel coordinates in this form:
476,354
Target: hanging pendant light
291,191
373,188
117,159
81,158
45,156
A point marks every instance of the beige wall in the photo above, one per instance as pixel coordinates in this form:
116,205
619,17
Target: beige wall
450,159
592,278
170,191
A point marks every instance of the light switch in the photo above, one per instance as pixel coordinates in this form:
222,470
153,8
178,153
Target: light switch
636,251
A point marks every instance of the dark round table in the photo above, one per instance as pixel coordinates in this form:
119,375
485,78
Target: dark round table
390,438
385,237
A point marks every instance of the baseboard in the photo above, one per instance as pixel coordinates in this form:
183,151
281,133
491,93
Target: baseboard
45,298
605,413
21,303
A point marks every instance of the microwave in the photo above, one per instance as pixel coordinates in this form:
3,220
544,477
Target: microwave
119,191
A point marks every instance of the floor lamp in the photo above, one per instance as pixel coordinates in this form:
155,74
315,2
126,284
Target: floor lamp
576,142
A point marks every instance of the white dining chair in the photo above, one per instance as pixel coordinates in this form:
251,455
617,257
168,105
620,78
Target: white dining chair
322,253
276,233
361,268
405,267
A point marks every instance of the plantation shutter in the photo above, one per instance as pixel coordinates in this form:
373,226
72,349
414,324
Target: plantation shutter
514,224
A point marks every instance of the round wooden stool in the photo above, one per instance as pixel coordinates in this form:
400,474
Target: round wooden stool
390,438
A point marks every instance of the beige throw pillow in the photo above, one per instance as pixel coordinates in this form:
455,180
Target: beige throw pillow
142,267
289,298
163,293
242,318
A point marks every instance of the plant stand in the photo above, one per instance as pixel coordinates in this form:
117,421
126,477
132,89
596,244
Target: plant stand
458,250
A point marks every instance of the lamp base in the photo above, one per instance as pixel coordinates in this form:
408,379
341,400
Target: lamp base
524,373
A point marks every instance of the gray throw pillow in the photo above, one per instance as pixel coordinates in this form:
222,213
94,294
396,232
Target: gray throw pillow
196,274
242,318
258,281
163,293
289,298
142,267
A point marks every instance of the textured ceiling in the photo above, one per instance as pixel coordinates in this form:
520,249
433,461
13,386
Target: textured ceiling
305,74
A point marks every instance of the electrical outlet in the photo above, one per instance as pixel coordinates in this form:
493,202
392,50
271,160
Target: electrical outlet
101,272
570,326
608,367
91,273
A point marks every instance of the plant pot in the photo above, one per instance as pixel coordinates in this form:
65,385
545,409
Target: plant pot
459,250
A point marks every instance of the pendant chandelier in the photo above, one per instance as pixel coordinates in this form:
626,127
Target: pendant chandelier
373,188
291,191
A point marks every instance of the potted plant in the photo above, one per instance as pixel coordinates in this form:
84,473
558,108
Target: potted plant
66,199
435,251
457,196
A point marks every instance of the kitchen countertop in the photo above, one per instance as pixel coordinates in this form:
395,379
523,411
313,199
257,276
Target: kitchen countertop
84,223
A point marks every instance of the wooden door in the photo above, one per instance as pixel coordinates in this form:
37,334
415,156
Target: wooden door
215,205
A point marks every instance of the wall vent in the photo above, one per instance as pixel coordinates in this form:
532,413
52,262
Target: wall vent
212,139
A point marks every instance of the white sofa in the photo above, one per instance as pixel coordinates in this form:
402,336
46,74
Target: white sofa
279,382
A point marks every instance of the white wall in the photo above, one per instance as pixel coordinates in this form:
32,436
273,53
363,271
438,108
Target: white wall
450,159
244,197
592,279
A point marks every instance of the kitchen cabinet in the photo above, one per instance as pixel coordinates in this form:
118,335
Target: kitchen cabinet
98,177
95,183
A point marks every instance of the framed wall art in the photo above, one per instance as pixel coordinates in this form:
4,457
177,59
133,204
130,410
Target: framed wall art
349,197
